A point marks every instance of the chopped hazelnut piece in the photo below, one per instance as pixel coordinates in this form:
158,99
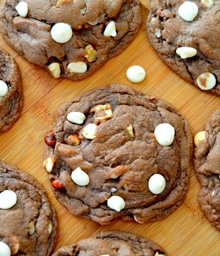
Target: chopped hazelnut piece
91,53
31,228
102,113
130,130
54,69
73,140
63,2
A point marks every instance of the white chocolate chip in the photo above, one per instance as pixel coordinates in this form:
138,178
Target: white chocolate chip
157,32
135,74
76,117
93,23
158,254
49,163
22,9
164,134
157,184
137,220
113,190
116,203
83,10
186,52
50,228
3,88
80,177
89,131
8,199
207,3
206,81
77,67
4,249
61,32
188,10
110,29
54,69
199,137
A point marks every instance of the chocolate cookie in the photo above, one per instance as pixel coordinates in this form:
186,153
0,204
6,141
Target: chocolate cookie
11,97
114,243
184,35
207,167
117,153
27,219
71,39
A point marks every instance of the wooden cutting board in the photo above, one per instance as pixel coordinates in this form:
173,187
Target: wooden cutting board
184,233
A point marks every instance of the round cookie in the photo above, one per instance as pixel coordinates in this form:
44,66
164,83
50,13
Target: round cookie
70,39
11,97
207,167
183,34
27,219
114,243
104,160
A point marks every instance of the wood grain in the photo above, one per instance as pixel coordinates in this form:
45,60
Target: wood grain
186,231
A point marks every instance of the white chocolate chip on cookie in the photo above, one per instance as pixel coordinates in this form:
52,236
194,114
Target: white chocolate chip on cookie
199,137
8,199
89,131
76,117
80,177
3,88
164,134
61,32
188,10
116,203
110,29
186,52
157,183
48,163
207,3
206,81
4,249
22,9
77,67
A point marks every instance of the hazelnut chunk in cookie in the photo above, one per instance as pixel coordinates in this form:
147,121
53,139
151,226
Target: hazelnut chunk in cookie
120,168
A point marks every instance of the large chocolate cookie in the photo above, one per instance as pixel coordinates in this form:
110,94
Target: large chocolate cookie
207,167
184,35
70,39
11,97
115,152
27,219
114,243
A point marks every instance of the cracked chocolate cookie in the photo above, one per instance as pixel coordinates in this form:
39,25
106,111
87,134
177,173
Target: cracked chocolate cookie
207,167
117,153
70,39
27,219
114,243
11,97
183,34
